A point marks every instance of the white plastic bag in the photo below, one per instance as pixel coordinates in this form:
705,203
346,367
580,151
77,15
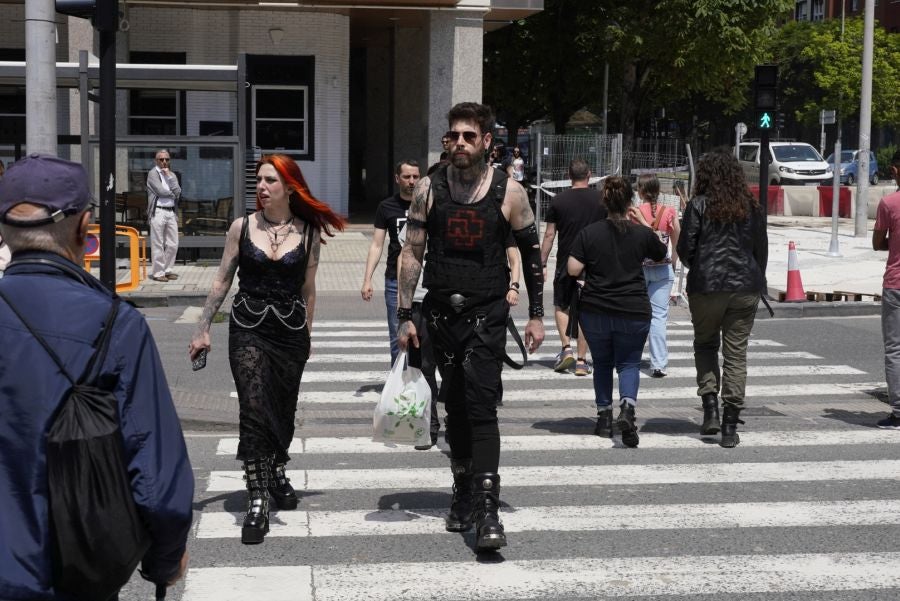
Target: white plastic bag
403,415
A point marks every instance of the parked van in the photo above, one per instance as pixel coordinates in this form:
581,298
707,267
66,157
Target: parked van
791,163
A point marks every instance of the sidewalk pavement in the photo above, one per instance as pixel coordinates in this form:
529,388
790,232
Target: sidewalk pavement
859,269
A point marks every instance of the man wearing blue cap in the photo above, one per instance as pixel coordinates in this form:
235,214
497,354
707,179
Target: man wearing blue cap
44,216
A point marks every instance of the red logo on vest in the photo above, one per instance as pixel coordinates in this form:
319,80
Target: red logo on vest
465,229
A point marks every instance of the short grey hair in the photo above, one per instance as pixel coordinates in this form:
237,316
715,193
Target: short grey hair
52,237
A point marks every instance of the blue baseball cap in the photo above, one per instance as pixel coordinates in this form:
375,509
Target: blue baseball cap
45,180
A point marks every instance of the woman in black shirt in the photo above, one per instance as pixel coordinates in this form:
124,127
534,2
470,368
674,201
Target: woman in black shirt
615,309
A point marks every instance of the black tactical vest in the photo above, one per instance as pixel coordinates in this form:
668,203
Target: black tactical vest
467,242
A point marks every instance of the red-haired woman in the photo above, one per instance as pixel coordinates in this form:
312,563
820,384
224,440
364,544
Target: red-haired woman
275,252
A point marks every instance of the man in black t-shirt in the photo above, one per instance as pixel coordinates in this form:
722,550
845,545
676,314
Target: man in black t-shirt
390,217
570,212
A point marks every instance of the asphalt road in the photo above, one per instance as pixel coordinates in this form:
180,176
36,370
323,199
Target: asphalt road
806,508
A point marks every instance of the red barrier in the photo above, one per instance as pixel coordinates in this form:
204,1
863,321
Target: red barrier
825,201
774,199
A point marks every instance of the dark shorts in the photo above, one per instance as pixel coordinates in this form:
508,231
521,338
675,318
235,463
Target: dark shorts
564,287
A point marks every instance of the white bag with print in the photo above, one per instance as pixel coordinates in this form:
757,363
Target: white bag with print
403,415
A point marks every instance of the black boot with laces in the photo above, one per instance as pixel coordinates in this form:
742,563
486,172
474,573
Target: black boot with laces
730,420
459,518
489,534
627,426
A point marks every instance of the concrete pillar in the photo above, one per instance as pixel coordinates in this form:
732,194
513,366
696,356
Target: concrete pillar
409,97
456,53
81,37
40,76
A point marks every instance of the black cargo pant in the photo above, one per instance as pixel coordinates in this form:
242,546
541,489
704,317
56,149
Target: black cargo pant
468,347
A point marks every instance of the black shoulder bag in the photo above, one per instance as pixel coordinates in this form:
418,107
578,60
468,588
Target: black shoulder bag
97,536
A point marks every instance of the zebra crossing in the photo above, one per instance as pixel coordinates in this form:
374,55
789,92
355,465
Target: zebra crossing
805,508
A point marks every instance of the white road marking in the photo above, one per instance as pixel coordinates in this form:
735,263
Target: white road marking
580,442
583,577
394,522
585,392
356,378
582,475
673,356
383,344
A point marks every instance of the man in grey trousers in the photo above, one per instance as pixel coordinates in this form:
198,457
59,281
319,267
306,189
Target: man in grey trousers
163,193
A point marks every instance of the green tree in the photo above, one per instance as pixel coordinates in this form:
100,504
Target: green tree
662,52
835,62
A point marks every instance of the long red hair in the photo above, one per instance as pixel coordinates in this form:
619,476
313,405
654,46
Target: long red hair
302,203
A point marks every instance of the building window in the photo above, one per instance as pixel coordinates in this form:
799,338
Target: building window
281,119
800,12
854,5
157,112
818,10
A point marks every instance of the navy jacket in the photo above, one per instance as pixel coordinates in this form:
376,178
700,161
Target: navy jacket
68,309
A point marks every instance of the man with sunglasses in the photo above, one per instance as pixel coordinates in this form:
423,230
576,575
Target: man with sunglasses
163,193
465,211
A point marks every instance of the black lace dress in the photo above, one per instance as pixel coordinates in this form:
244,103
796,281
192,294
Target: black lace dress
268,346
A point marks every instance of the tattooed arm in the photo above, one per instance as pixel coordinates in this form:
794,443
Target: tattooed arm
521,219
411,256
221,285
309,284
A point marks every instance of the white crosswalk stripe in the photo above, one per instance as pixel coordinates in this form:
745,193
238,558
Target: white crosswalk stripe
370,523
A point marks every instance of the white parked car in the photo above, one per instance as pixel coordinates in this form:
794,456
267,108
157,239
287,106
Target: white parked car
791,163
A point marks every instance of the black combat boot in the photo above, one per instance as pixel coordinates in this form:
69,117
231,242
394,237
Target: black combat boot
256,522
280,488
730,420
710,414
459,518
604,426
627,427
489,535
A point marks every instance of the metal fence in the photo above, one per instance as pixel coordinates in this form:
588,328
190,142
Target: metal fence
553,153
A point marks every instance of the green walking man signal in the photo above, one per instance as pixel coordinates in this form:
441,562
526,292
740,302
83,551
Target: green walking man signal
765,121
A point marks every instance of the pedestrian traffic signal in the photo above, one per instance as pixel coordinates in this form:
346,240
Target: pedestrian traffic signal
765,96
104,14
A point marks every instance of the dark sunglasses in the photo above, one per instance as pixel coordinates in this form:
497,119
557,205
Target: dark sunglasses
166,160
468,136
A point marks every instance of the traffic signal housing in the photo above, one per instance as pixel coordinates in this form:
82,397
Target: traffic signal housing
103,14
765,95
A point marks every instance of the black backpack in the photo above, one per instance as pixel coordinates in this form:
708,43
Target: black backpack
97,536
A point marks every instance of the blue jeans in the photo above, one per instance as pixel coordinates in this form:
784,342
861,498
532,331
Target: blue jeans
614,342
659,288
390,301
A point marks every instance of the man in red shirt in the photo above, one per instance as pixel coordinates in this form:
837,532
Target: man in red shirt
886,236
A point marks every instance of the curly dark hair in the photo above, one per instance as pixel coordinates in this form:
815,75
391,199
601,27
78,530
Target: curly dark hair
721,179
481,114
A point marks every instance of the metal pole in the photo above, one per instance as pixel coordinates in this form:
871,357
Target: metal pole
605,97
40,76
108,158
764,172
834,248
85,106
865,124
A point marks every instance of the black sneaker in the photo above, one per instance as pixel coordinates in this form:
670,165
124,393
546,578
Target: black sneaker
891,422
658,373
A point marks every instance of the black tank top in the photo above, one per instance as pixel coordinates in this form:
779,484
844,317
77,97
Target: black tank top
275,280
466,242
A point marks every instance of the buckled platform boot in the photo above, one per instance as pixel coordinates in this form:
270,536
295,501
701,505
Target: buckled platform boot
256,522
489,534
459,518
628,428
710,414
604,426
730,420
280,488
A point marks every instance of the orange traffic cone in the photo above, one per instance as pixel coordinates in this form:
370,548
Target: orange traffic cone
795,291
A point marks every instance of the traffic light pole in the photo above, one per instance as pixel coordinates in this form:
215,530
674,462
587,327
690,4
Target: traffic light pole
764,173
108,158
